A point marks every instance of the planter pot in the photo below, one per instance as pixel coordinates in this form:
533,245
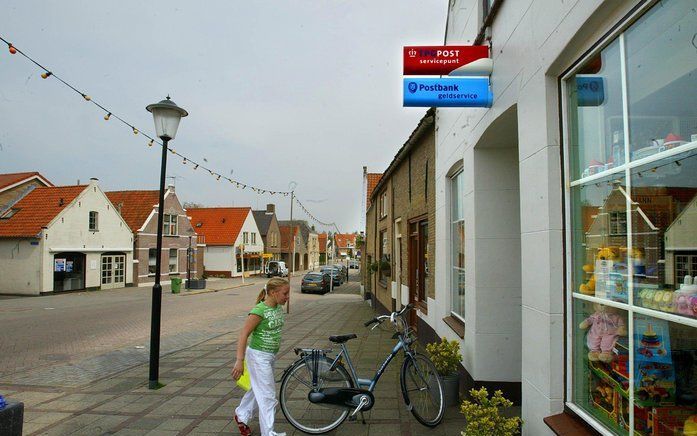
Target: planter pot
196,284
451,389
12,419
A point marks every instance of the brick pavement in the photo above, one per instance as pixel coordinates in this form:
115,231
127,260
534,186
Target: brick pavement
199,395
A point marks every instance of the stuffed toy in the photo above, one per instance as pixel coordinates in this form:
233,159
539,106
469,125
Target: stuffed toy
605,326
604,253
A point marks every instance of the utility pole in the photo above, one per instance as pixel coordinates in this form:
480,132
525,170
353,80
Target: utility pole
292,241
242,260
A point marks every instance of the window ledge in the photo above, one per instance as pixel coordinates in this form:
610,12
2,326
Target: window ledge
456,325
567,424
422,306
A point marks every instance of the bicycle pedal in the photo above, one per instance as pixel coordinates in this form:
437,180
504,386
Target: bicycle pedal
352,418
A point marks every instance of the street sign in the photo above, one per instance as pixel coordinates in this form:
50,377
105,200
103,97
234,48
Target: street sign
448,92
442,60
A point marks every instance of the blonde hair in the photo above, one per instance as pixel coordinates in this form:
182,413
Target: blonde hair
271,285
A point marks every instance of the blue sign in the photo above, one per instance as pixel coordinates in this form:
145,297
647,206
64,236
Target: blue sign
448,92
591,90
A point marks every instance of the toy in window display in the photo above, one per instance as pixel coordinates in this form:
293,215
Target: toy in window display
605,326
654,373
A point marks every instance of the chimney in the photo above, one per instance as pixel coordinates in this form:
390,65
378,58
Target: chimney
94,181
170,188
271,208
365,170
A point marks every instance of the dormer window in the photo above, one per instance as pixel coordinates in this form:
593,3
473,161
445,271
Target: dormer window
9,213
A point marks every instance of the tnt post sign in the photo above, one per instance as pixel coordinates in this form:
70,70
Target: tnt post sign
445,60
447,92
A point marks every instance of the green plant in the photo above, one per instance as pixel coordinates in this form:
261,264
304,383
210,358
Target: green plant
373,267
483,415
445,355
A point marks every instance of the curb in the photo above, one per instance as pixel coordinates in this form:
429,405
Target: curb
208,291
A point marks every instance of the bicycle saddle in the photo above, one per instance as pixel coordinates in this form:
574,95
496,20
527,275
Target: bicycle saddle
340,339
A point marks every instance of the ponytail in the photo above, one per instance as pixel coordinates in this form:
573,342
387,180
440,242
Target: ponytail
262,295
271,286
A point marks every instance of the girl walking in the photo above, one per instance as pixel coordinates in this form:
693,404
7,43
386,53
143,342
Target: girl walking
264,324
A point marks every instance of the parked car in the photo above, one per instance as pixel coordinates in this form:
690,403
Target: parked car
335,273
276,268
315,282
343,271
354,264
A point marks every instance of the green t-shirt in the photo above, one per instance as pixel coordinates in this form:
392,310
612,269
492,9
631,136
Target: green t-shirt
267,335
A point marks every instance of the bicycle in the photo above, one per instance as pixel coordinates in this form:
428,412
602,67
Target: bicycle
318,393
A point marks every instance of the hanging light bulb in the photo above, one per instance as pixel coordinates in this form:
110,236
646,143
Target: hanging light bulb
196,166
184,161
218,178
135,131
171,150
150,143
107,116
86,97
12,49
46,75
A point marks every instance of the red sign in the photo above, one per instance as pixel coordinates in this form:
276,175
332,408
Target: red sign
439,59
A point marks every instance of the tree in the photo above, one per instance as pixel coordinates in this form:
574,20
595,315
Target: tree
191,205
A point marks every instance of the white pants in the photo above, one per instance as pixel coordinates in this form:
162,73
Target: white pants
262,396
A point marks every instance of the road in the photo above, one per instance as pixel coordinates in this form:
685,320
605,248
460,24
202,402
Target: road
71,339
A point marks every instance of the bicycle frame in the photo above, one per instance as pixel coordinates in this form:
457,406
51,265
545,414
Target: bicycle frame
371,383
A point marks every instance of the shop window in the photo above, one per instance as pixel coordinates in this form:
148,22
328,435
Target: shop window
173,260
631,137
170,225
94,221
457,245
152,260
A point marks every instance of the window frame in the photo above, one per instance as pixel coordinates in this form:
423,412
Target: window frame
457,171
616,32
93,227
153,265
170,224
176,264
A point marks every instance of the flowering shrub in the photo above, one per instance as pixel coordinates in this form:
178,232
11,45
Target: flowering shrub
445,355
483,415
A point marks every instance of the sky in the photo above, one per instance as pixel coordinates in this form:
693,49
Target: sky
302,91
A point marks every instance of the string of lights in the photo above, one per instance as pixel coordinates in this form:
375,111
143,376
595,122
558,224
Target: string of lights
109,114
313,218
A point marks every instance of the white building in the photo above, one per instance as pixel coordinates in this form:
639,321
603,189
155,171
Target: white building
588,95
64,238
231,234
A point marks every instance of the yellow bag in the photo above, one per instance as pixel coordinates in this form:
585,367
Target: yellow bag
244,382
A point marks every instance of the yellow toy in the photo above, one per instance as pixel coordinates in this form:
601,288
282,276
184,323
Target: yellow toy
690,428
604,253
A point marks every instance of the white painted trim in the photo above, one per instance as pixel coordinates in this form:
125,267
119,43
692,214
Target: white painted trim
29,179
593,422
147,220
165,236
681,248
89,249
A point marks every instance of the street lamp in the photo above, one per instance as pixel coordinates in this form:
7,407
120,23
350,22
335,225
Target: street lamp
166,115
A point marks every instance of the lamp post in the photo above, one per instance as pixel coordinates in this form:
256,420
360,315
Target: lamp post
291,187
166,115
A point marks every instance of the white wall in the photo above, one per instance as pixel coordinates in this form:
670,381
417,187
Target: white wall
69,231
20,262
250,226
219,258
533,42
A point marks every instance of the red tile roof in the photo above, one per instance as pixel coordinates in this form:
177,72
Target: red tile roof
286,237
37,209
14,178
373,180
344,239
135,206
219,225
322,241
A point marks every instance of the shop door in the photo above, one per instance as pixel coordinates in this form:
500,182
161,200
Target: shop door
113,271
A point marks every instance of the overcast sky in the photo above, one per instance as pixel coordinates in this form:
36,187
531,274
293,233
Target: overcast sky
276,91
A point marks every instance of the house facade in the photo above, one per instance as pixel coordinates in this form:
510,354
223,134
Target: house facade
309,258
267,222
64,238
293,247
322,242
562,204
233,244
14,186
180,243
400,249
345,245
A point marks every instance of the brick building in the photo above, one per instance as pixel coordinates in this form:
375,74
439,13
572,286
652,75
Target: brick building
399,246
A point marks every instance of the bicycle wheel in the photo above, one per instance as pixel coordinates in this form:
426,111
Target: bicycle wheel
299,411
422,390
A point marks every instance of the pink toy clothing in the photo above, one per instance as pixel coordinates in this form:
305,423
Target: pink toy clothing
603,331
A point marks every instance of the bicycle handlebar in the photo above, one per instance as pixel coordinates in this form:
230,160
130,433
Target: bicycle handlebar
392,316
